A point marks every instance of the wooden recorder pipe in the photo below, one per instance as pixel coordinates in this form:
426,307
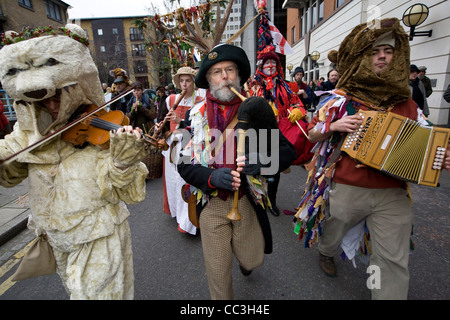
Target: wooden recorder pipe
237,93
234,214
175,105
247,90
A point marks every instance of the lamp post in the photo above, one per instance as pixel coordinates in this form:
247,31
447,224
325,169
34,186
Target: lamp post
315,55
290,67
414,16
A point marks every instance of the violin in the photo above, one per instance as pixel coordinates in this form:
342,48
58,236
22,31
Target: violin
94,112
95,128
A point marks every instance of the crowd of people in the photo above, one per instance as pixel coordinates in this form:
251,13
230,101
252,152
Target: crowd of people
209,102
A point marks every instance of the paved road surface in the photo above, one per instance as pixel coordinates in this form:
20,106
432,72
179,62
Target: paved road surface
169,265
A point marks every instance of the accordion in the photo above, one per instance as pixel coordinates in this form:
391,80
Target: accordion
399,147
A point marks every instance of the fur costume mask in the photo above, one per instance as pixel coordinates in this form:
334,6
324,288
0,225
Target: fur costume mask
354,63
40,68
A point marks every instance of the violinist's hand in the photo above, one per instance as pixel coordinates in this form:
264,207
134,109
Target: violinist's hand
127,147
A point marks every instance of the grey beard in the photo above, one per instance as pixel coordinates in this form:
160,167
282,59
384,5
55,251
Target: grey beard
222,92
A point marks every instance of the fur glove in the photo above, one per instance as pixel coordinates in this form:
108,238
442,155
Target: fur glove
126,150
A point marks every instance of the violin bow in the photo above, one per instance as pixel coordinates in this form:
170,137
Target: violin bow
52,135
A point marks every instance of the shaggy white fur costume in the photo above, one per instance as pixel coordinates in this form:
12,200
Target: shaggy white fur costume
77,196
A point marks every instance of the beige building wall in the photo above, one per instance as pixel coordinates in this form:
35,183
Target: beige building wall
16,17
152,74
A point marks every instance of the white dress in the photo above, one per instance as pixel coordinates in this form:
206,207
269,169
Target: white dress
174,183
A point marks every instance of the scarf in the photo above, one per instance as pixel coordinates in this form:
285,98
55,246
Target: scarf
219,120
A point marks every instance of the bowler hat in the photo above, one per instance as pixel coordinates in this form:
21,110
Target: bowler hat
223,52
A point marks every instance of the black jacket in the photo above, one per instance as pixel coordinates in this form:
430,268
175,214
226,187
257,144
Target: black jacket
198,176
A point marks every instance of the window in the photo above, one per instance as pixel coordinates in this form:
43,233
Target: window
138,50
293,35
115,31
100,32
320,10
311,70
311,15
136,34
102,49
339,3
26,3
303,22
140,66
144,81
53,10
315,15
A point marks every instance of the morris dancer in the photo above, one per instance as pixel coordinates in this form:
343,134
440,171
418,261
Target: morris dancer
214,181
374,67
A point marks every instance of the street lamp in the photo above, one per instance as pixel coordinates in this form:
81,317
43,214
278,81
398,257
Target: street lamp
315,55
290,67
414,16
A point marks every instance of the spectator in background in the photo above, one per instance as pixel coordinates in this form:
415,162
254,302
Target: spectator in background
161,106
171,89
304,92
425,80
447,94
121,87
140,109
330,84
313,85
321,80
418,90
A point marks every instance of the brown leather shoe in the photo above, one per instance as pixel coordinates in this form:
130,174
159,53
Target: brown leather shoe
327,265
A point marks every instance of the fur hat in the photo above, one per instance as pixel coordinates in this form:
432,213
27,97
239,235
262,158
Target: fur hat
223,52
183,70
354,64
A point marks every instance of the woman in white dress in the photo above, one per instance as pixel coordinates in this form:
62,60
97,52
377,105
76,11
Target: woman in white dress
173,183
